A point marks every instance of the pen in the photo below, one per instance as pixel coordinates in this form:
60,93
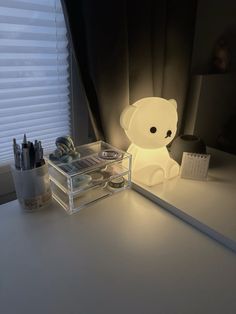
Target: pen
31,155
17,154
37,156
14,146
28,155
25,158
24,144
25,154
15,151
41,160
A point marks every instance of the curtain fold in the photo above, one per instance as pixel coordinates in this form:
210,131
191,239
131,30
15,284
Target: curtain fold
127,50
75,18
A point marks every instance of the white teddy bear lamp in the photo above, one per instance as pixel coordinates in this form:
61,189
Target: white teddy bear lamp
151,124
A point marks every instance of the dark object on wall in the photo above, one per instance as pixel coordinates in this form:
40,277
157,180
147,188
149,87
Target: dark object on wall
186,143
227,138
221,57
210,104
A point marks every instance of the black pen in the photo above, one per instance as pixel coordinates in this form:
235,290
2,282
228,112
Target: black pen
31,155
25,154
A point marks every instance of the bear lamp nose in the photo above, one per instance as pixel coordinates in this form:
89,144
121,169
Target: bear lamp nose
168,134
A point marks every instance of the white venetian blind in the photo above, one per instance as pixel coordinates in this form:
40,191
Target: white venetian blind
34,73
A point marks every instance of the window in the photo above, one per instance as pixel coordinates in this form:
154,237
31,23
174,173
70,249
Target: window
34,73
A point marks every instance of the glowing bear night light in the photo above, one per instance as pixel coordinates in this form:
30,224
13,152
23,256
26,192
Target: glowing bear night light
150,124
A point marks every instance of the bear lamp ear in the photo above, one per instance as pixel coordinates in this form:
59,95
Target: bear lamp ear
126,115
173,102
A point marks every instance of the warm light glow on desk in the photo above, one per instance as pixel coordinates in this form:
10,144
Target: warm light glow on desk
151,124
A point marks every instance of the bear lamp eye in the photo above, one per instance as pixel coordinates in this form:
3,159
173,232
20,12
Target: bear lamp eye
153,129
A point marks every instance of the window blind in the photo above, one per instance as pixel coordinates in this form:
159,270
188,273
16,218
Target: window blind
34,73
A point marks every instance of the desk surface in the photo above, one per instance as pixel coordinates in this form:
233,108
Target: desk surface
209,205
123,254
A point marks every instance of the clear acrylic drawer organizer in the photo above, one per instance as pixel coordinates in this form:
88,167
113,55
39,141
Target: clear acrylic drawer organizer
100,171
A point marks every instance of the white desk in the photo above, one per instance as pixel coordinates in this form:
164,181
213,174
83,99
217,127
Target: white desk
208,205
123,254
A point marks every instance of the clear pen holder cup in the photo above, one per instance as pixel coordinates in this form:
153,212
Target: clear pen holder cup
32,186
